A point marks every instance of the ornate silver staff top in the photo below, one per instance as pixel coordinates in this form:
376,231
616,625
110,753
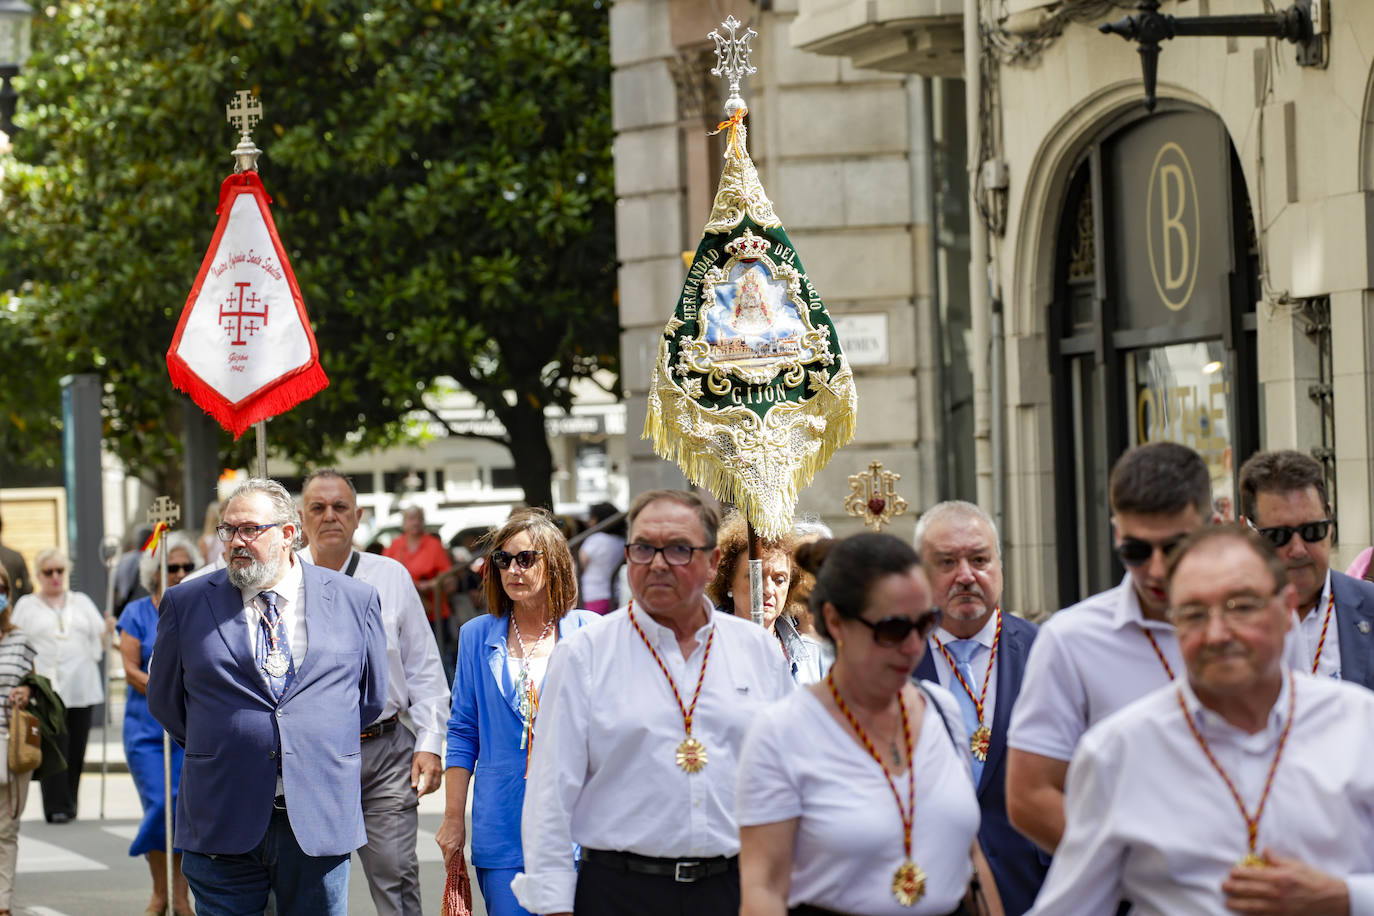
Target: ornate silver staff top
732,60
244,112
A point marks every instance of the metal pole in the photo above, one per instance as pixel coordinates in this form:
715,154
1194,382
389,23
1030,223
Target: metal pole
260,433
109,552
755,577
166,745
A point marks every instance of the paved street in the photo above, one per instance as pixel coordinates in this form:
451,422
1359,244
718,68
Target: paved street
84,868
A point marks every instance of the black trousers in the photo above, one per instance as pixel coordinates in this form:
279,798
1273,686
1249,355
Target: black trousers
59,789
603,891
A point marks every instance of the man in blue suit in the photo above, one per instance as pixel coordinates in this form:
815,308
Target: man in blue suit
266,673
1283,497
979,654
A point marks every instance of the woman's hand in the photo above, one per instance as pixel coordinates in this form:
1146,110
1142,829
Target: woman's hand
20,696
451,836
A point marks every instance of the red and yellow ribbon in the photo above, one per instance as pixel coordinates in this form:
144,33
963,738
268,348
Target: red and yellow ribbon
733,122
158,530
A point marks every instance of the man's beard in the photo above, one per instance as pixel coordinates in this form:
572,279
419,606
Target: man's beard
257,575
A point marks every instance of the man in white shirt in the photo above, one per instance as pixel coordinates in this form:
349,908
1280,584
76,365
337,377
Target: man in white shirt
1243,787
399,765
1092,659
637,743
978,653
1283,497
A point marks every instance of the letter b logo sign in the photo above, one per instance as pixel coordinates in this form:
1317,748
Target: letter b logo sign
1172,226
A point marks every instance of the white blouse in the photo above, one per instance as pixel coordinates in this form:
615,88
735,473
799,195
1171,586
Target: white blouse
798,762
70,642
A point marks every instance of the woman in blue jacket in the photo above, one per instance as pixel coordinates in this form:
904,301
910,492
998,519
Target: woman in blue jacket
531,588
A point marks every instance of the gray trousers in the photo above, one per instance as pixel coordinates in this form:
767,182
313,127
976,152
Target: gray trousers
389,811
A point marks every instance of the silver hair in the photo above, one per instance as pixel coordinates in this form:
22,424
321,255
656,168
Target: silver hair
955,508
812,526
284,510
150,570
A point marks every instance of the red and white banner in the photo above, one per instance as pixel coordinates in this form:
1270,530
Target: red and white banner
243,349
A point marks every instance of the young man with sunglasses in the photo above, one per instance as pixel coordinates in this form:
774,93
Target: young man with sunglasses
400,759
1109,650
641,721
978,653
1283,497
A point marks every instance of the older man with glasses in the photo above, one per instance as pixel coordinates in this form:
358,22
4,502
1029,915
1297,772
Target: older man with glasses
1092,659
1242,787
1283,497
637,742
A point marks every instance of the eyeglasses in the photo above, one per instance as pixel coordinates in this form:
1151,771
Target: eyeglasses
1135,552
1311,532
1237,610
181,567
891,632
249,533
55,571
524,559
673,554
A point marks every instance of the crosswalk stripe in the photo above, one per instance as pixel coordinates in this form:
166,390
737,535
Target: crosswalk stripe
43,911
38,856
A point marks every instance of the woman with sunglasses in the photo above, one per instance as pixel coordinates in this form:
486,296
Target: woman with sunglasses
531,588
855,794
69,635
16,660
142,734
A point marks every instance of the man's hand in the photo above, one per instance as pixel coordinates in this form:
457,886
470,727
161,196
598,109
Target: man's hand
1284,887
425,773
451,836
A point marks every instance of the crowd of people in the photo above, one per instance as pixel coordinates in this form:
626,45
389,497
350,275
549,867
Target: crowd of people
891,740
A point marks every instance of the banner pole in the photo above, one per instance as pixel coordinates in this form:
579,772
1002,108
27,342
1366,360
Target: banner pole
260,434
755,577
110,554
166,749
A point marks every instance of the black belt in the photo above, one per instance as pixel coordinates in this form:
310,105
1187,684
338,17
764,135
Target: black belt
279,803
377,729
682,870
806,909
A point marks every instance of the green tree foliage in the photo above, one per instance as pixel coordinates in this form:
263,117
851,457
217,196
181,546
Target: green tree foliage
440,173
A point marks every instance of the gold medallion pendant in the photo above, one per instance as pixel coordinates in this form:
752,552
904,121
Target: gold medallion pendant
908,883
979,742
1252,861
691,755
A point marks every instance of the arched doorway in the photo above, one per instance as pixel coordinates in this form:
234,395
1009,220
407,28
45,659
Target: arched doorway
1153,321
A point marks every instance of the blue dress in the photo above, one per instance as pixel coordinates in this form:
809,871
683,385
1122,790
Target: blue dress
143,737
484,729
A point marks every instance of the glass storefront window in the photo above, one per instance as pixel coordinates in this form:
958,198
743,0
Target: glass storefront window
1182,393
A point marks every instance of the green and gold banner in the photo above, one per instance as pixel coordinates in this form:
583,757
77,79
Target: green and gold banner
750,393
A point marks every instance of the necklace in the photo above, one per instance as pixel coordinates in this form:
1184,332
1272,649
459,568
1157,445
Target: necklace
276,664
1160,654
981,739
524,686
691,753
908,881
60,611
1251,858
1321,643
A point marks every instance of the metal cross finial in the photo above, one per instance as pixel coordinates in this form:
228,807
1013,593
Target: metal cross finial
873,496
732,59
244,112
164,510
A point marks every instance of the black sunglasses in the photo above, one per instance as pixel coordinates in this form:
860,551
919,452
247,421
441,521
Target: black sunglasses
524,559
891,632
1135,552
1311,532
181,567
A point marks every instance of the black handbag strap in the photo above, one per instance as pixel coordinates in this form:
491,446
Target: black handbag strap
352,564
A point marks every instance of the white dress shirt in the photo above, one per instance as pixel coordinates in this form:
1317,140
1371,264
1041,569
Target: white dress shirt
416,686
799,762
290,602
70,642
1087,662
1310,628
978,662
604,772
1150,820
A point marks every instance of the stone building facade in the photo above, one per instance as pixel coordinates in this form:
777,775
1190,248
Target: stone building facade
1201,273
